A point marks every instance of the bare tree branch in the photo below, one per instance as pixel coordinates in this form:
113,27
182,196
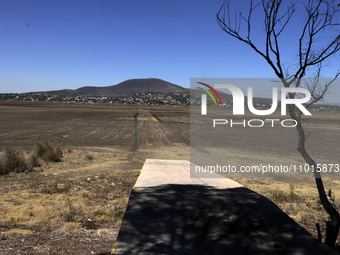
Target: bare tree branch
320,20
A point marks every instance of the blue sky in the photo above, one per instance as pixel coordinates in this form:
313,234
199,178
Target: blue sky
51,45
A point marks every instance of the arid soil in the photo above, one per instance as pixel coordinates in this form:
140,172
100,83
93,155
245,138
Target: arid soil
76,206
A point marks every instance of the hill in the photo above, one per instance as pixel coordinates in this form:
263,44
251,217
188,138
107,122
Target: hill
125,88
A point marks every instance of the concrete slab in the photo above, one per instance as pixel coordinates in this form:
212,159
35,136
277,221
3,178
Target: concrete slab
171,213
157,172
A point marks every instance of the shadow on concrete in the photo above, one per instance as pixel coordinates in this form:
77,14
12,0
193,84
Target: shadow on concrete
197,219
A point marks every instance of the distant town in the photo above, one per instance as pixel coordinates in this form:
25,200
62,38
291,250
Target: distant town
143,98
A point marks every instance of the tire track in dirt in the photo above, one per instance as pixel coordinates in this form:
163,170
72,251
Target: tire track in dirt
135,143
148,131
155,117
175,128
153,134
115,130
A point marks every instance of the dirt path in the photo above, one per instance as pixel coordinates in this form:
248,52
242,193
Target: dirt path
150,131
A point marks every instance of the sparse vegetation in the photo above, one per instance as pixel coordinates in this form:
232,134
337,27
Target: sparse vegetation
57,194
104,232
112,213
89,157
69,149
55,201
279,196
34,160
16,232
69,216
70,227
299,202
48,153
13,161
55,188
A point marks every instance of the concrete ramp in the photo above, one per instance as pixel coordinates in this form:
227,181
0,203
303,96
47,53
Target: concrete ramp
171,213
158,172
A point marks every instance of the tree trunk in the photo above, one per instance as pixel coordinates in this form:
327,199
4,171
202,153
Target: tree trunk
332,226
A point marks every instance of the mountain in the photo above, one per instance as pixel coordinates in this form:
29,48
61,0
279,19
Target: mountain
127,87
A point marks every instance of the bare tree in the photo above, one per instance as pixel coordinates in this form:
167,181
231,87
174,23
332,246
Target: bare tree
313,49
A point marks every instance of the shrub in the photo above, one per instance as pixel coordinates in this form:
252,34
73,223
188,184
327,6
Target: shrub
46,151
41,149
69,149
53,155
69,216
278,196
112,213
89,157
34,160
117,213
13,161
2,167
70,227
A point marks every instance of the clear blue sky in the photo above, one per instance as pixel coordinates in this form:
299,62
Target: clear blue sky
51,45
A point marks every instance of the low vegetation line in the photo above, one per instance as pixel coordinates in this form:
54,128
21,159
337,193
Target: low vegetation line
16,161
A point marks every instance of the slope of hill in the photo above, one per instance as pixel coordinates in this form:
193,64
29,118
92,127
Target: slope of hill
127,87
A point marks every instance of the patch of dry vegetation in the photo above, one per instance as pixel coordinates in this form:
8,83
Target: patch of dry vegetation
298,198
17,232
48,153
69,227
89,157
74,192
15,161
104,232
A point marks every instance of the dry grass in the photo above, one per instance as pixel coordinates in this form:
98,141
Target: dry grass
283,196
72,191
111,213
48,153
69,148
298,198
13,161
90,157
69,227
76,190
105,232
34,160
17,232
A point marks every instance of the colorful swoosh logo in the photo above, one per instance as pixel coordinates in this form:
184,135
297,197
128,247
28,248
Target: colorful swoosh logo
213,90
